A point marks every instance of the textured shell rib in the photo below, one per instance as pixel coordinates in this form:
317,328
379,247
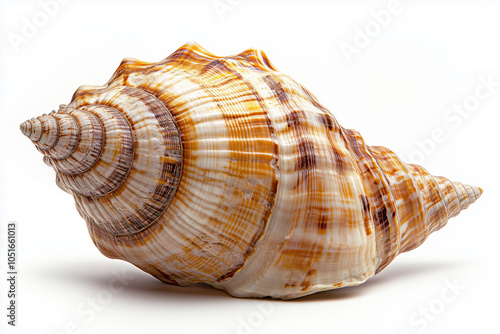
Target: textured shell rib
225,171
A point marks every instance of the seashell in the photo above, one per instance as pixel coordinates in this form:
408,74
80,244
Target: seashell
225,171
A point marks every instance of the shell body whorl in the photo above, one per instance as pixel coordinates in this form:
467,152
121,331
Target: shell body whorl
225,171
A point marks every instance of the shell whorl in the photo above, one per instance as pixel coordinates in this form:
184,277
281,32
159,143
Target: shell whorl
223,170
71,140
120,157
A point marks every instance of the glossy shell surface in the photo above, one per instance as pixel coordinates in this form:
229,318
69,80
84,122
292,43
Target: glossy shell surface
224,170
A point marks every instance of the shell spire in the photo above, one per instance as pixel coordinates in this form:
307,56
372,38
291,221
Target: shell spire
91,148
405,202
225,171
70,140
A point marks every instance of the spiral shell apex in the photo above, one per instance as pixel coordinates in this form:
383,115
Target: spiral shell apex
225,171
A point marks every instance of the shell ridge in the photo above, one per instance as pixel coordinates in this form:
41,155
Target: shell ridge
95,156
148,101
387,215
256,58
120,166
419,216
49,145
382,211
77,139
441,199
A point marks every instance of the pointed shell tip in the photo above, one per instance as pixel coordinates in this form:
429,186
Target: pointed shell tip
25,128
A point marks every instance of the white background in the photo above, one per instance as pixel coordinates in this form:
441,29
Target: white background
396,90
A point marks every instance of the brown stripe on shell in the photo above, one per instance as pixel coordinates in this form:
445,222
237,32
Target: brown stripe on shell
307,158
434,207
92,182
172,166
50,133
154,202
339,159
192,53
35,129
164,191
339,148
379,196
323,224
275,85
216,66
296,120
88,150
68,138
297,256
318,105
409,214
328,121
366,214
293,119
